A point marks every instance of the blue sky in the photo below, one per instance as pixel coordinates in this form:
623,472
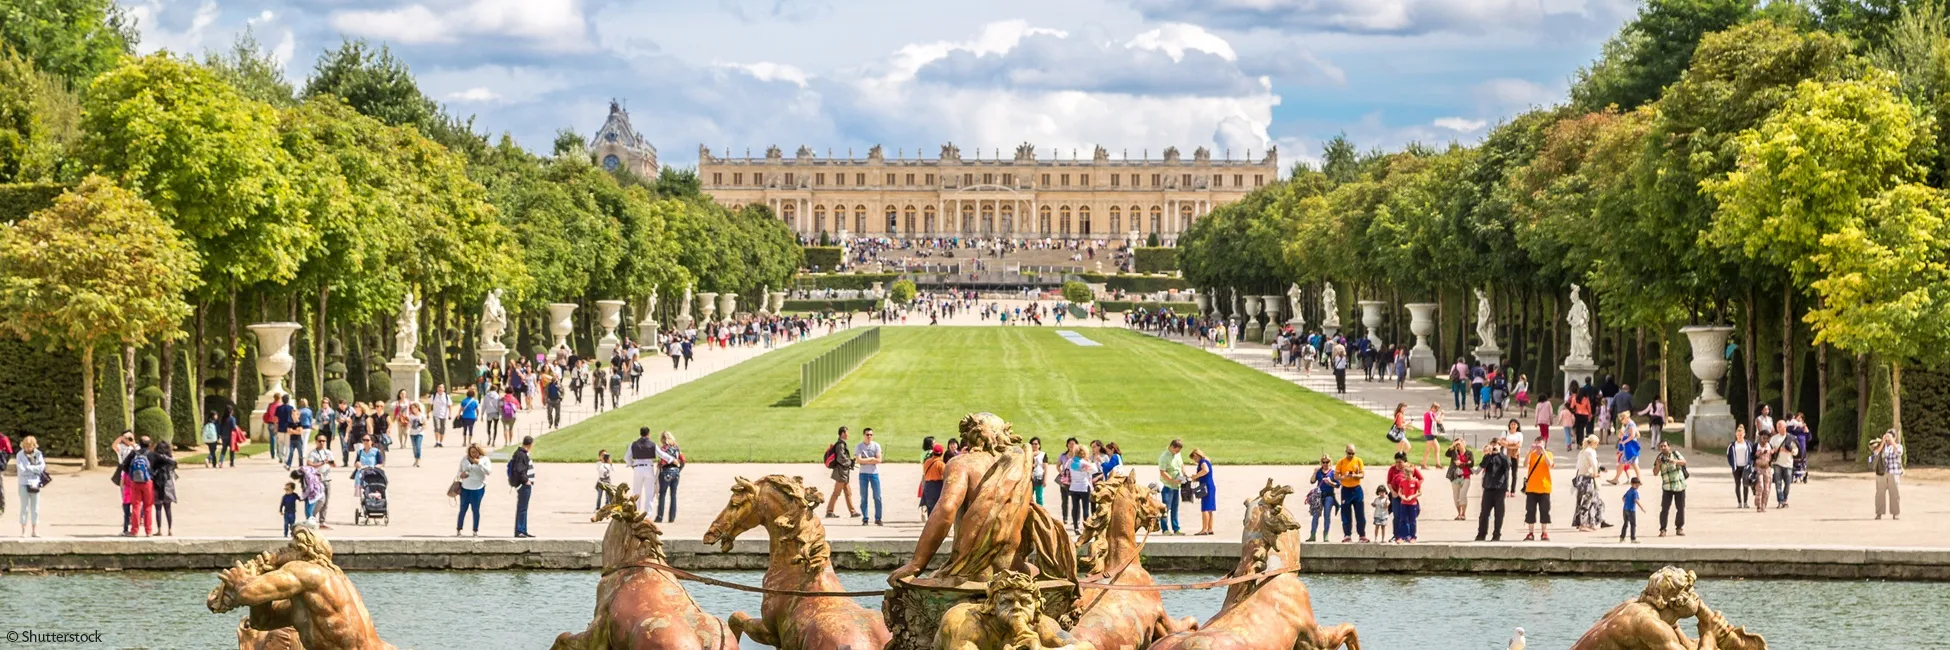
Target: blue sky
1134,76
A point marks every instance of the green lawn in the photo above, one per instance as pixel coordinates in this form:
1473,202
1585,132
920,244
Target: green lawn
1136,390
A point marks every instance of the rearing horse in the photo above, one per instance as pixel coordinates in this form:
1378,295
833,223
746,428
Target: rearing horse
637,606
1273,613
1115,618
800,561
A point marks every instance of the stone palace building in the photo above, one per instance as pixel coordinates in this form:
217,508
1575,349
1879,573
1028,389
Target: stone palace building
1019,197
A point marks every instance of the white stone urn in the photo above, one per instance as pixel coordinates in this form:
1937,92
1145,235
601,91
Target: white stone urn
561,321
1204,302
1252,306
707,304
274,363
1709,421
1274,306
1421,323
727,305
778,302
609,314
1371,319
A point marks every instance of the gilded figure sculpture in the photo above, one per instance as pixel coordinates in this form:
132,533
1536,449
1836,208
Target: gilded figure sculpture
297,588
639,607
987,501
1010,618
800,561
1273,612
1650,620
1116,618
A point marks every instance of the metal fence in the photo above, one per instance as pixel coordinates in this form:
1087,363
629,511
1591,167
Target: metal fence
831,366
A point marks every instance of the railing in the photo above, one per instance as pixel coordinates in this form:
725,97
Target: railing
827,369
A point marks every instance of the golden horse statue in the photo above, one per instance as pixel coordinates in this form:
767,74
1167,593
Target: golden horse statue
1270,613
801,561
1650,620
1116,618
296,595
638,606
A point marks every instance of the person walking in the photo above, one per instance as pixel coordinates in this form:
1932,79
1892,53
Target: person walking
1340,369
1083,472
642,460
229,435
1590,512
442,411
867,456
1537,492
1458,381
30,467
510,406
1671,469
1740,459
470,411
521,477
472,484
1498,481
1545,415
1038,469
1206,489
1567,421
1632,508
670,468
1321,500
162,461
552,399
1786,448
138,480
321,461
605,477
933,472
416,429
1398,429
1431,426
208,438
1462,464
839,459
1886,457
1354,520
491,413
1171,474
1763,483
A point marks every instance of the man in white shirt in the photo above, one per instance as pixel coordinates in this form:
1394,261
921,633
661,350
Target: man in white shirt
866,456
642,457
320,459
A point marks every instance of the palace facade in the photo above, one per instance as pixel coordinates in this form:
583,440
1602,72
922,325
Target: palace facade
949,196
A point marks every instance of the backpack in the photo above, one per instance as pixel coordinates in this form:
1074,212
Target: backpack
507,409
832,455
515,474
139,468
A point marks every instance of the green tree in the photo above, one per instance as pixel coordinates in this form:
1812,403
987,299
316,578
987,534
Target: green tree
902,292
39,121
567,141
98,268
1076,292
1652,51
208,160
252,71
74,39
375,83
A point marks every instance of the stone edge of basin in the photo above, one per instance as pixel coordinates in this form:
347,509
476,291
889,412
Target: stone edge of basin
406,553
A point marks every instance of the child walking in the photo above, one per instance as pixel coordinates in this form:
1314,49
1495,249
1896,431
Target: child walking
289,506
1382,505
1631,525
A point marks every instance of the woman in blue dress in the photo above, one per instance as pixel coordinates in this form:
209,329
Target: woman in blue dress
1208,498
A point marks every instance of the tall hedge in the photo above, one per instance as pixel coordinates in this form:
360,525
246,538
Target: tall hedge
1133,283
40,395
861,281
1155,260
823,258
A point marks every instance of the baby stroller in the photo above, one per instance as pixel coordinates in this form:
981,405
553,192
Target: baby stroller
372,497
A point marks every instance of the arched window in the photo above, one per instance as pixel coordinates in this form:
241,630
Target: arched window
1116,221
893,220
1083,218
1157,220
1042,221
988,218
1063,221
859,219
1008,218
909,213
790,214
1184,218
927,220
967,218
819,218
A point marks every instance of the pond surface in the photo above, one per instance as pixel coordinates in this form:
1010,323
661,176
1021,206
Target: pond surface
526,609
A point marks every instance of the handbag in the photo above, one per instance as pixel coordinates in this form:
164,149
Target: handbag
453,491
1395,434
44,480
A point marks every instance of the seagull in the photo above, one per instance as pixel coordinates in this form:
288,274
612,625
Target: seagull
1516,642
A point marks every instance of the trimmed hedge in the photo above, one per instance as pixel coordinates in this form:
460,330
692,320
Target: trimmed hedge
856,304
17,200
824,258
1181,308
1155,260
1074,291
861,281
1137,283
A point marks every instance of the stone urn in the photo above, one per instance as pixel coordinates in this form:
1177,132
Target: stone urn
1709,421
1371,319
1251,330
778,301
561,321
609,314
1203,301
727,305
1421,323
707,304
1272,306
274,363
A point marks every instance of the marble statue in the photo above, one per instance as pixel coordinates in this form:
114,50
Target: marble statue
650,309
1650,620
494,319
299,588
801,560
1485,325
684,308
1332,317
1580,319
406,335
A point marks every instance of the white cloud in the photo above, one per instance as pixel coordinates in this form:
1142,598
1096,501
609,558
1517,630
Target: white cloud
1174,38
1386,16
475,95
551,24
769,71
155,19
1506,95
491,84
1458,124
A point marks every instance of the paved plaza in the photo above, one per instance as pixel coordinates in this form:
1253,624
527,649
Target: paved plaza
1832,510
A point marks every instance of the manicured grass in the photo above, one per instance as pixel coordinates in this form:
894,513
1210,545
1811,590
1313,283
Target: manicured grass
1136,390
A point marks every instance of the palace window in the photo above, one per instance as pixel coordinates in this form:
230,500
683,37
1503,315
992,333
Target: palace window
1238,180
1114,216
839,180
738,178
1066,180
1186,181
893,220
717,178
926,179
988,179
1134,180
1042,218
859,179
1083,217
1009,179
819,179
758,178
788,179
1155,182
1157,219
859,218
890,179
1045,183
1083,180
1259,180
1113,180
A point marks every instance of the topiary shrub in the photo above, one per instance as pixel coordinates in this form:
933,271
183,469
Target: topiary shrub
150,418
40,395
1076,292
379,385
337,388
903,291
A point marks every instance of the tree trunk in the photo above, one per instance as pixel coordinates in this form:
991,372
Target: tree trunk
128,386
1638,353
89,456
1665,386
324,337
1543,364
1749,361
230,353
168,370
1821,384
1787,349
1861,395
1896,398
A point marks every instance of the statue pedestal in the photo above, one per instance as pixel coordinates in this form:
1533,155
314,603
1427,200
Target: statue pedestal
1330,331
406,376
1253,331
913,610
1421,323
490,354
1709,425
260,432
1578,370
1493,356
1709,422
